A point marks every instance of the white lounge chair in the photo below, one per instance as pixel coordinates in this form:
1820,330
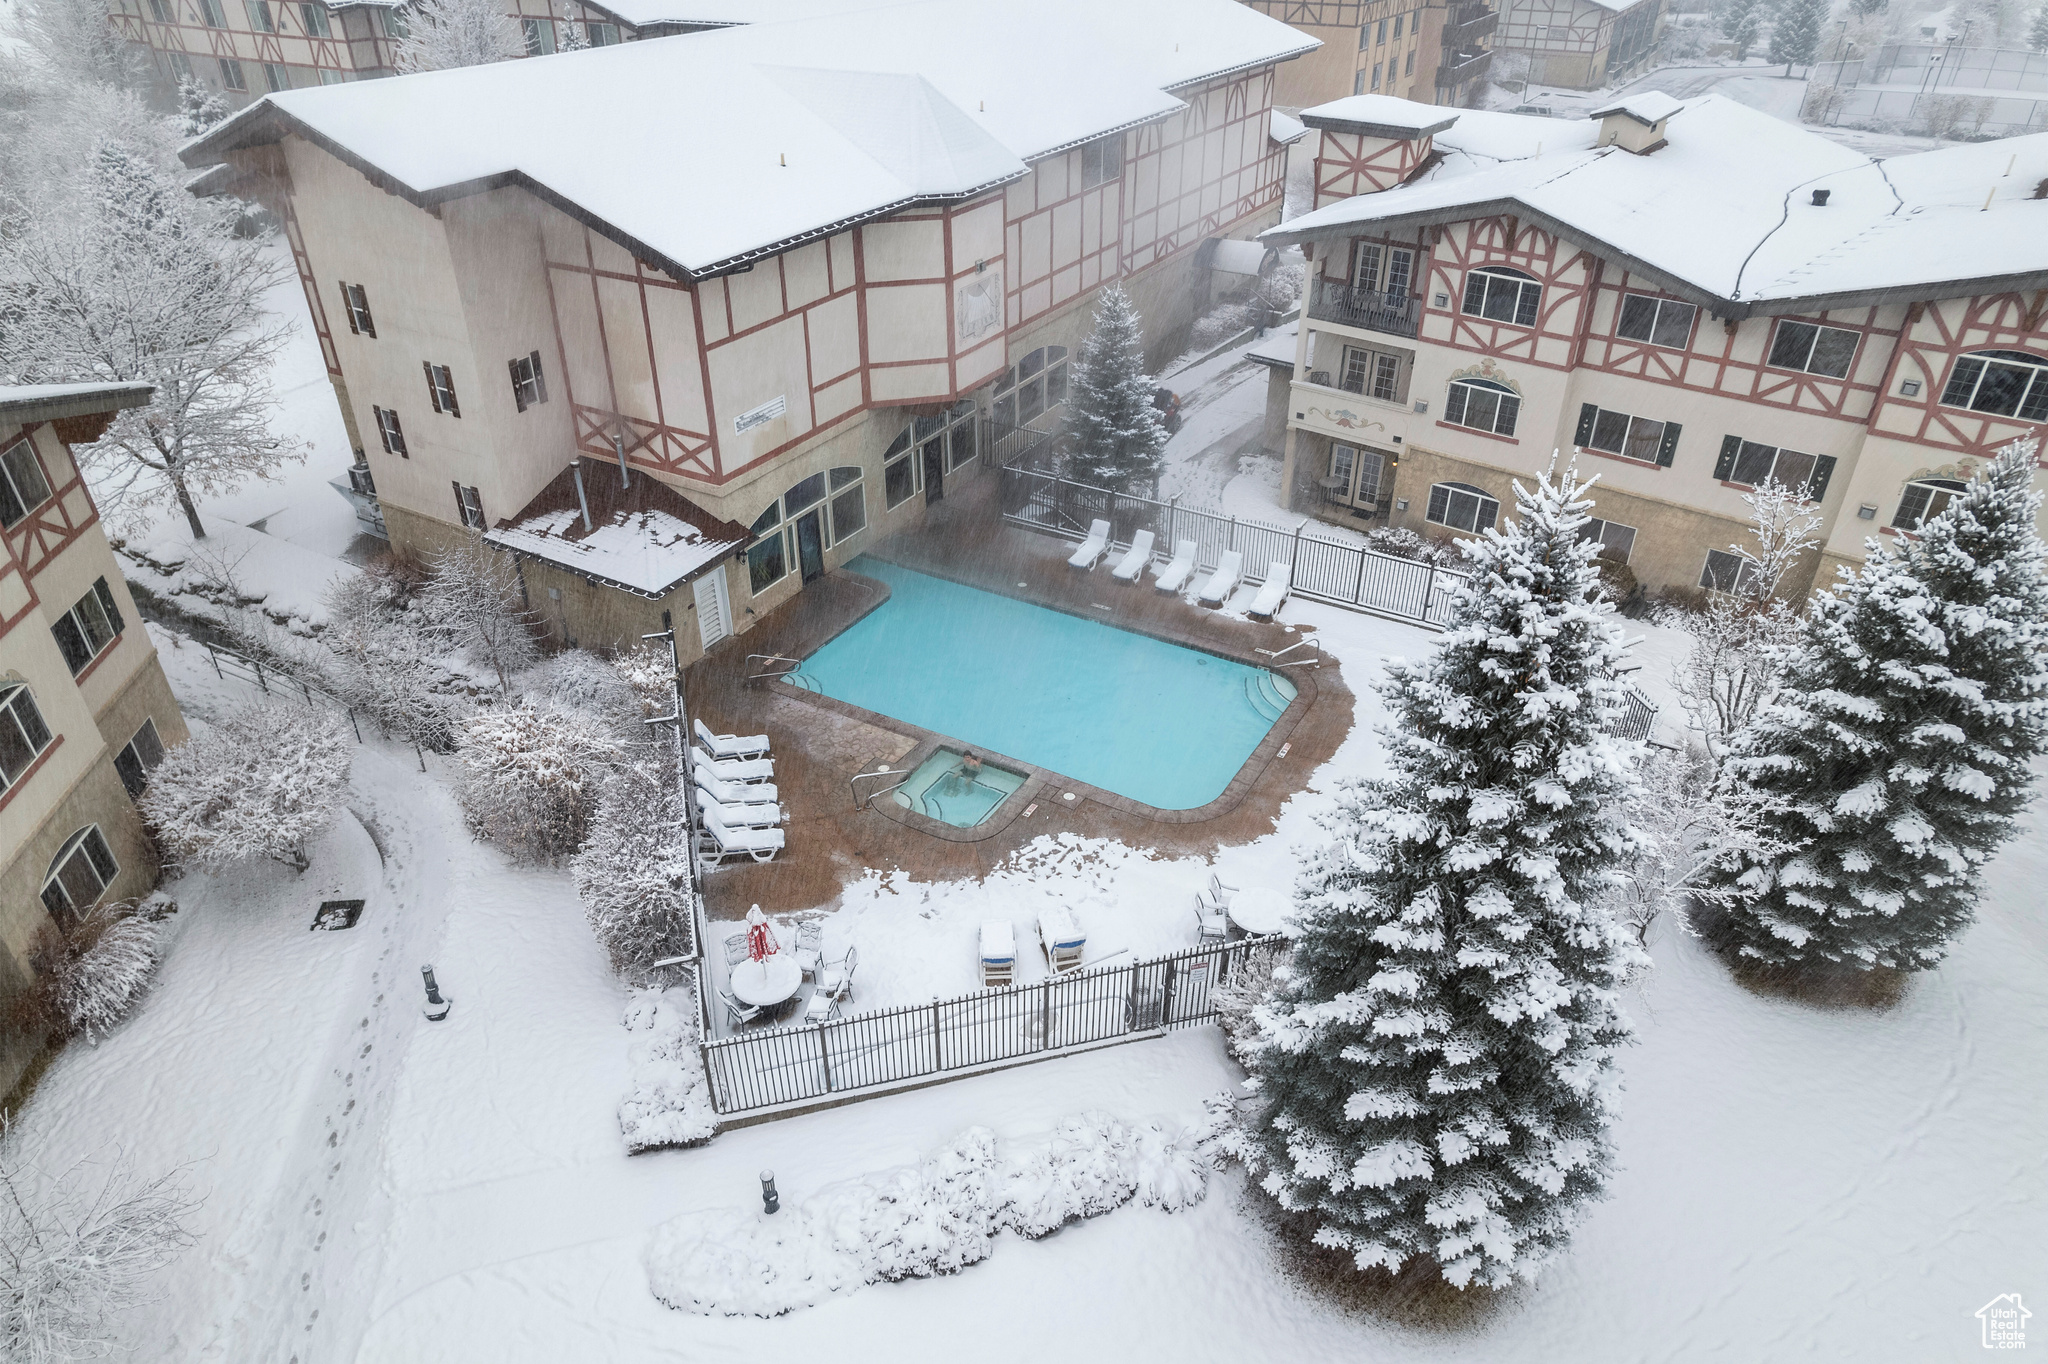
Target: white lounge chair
1132,566
1273,592
732,745
1091,550
753,769
1062,940
715,788
761,816
998,953
1174,577
1229,572
720,842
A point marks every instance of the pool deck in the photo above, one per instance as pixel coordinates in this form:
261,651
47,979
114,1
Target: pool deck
821,743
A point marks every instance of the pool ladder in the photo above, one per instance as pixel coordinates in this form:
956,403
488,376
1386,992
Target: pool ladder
769,671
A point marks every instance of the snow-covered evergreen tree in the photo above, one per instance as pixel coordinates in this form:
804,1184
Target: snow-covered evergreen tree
633,871
1795,38
574,35
1901,742
1741,22
1119,439
199,108
2037,34
1437,1065
449,33
475,598
531,777
258,783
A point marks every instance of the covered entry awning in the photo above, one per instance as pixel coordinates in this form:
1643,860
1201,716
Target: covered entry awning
646,539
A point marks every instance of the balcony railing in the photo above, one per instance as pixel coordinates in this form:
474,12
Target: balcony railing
1367,308
1459,67
1467,26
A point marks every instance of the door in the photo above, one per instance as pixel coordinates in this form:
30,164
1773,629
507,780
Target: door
934,471
714,609
810,545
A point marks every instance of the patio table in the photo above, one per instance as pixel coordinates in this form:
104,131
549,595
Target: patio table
767,982
1259,911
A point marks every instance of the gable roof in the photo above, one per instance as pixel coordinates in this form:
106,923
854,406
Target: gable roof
1723,215
705,151
647,538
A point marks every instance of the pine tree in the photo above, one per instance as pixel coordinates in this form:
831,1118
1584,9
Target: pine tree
2037,36
449,33
1900,746
1120,442
1795,38
1437,1064
199,108
575,36
1740,22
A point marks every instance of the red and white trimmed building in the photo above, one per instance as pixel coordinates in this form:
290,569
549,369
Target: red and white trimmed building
776,271
1688,298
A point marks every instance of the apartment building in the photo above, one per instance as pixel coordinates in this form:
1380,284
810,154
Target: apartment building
1582,44
1432,53
690,321
85,711
1688,298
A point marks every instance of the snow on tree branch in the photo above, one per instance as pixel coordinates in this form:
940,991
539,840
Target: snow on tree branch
451,33
531,777
475,598
1119,439
633,871
259,783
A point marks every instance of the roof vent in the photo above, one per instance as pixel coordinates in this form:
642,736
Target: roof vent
1820,198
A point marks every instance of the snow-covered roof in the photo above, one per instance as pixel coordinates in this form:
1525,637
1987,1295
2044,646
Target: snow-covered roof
1285,130
703,151
23,403
1649,108
647,538
730,13
1275,349
1379,116
1723,212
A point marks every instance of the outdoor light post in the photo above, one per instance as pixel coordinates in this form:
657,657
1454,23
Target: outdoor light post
770,1200
436,1008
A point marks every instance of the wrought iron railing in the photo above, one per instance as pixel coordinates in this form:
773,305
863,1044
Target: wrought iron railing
1395,314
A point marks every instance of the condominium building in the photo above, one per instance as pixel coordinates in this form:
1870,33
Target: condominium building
85,711
1583,44
1687,298
687,322
1429,51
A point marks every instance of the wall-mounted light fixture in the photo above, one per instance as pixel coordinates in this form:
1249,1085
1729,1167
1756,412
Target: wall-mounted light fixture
1867,512
1910,388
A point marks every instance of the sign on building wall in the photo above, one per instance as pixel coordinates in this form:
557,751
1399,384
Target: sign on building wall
979,306
759,416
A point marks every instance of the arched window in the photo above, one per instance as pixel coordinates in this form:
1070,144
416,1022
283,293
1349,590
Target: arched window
899,470
1483,405
2003,383
23,735
79,874
1461,507
1923,498
1499,294
1036,384
843,516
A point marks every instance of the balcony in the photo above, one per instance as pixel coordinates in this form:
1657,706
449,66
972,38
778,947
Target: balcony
1467,26
1461,66
1395,314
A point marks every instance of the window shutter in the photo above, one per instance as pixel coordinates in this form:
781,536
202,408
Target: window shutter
448,381
106,596
461,511
348,312
433,393
1587,412
540,383
1667,448
518,397
1823,470
1724,467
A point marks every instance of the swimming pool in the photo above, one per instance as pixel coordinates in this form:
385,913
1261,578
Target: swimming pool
1160,724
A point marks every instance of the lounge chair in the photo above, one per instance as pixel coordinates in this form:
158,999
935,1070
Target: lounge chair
762,816
998,953
720,842
1229,572
1174,577
1273,592
731,745
1132,566
1091,550
753,769
717,789
1062,940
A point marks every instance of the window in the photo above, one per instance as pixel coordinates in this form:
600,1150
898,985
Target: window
1616,541
1393,264
1367,371
23,735
314,17
1358,82
1343,460
22,485
767,560
1397,25
231,74
84,632
1617,433
1102,161
1502,295
1660,321
138,758
181,67
259,15
1750,464
1461,507
1726,572
392,22
601,35
355,305
1376,75
469,506
961,434
1814,349
2004,383
1364,37
1408,67
1483,405
160,10
529,386
849,503
1924,498
1037,384
540,36
392,434
899,471
441,388
211,15
81,872
276,77
1381,36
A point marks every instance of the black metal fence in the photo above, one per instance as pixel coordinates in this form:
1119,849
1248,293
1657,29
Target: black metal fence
763,1068
274,681
1327,570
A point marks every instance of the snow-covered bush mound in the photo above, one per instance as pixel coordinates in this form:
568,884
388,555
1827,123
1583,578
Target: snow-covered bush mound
935,1217
670,1104
259,783
104,967
531,776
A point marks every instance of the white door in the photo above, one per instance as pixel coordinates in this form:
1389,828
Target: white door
714,611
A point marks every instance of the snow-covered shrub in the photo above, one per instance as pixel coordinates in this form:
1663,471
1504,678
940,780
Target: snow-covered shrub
1436,1065
104,965
670,1103
576,679
531,776
936,1217
1246,989
633,871
259,783
382,659
444,34
473,597
1901,746
1402,543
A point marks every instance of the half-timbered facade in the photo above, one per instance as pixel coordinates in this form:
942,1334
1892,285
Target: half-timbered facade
85,711
880,237
1582,44
1430,51
1689,299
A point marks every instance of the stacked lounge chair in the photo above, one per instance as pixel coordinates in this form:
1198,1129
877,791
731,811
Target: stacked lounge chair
736,811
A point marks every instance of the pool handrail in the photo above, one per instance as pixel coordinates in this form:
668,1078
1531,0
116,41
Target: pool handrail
794,665
1310,642
861,802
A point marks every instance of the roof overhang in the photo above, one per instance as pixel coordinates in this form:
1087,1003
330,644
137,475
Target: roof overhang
1394,132
58,402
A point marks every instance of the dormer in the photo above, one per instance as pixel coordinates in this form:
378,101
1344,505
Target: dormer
1636,124
1371,142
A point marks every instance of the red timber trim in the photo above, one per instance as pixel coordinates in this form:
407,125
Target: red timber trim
1988,322
28,773
704,373
547,276
647,330
1344,168
296,239
604,345
102,656
38,538
1505,242
1483,435
860,303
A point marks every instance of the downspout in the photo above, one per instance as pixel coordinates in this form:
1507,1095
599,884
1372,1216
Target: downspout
576,469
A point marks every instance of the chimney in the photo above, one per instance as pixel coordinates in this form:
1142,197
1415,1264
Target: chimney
1820,198
1636,124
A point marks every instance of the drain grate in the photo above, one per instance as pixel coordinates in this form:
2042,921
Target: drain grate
335,915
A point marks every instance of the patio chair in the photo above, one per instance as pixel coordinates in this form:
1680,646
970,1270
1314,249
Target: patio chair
810,947
753,769
739,816
736,1013
1062,940
1229,572
1273,592
1211,923
726,792
731,745
1091,551
998,953
1220,891
736,948
720,843
1132,566
823,1008
836,978
1174,577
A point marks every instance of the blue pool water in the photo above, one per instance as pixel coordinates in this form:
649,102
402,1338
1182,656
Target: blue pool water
1149,720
